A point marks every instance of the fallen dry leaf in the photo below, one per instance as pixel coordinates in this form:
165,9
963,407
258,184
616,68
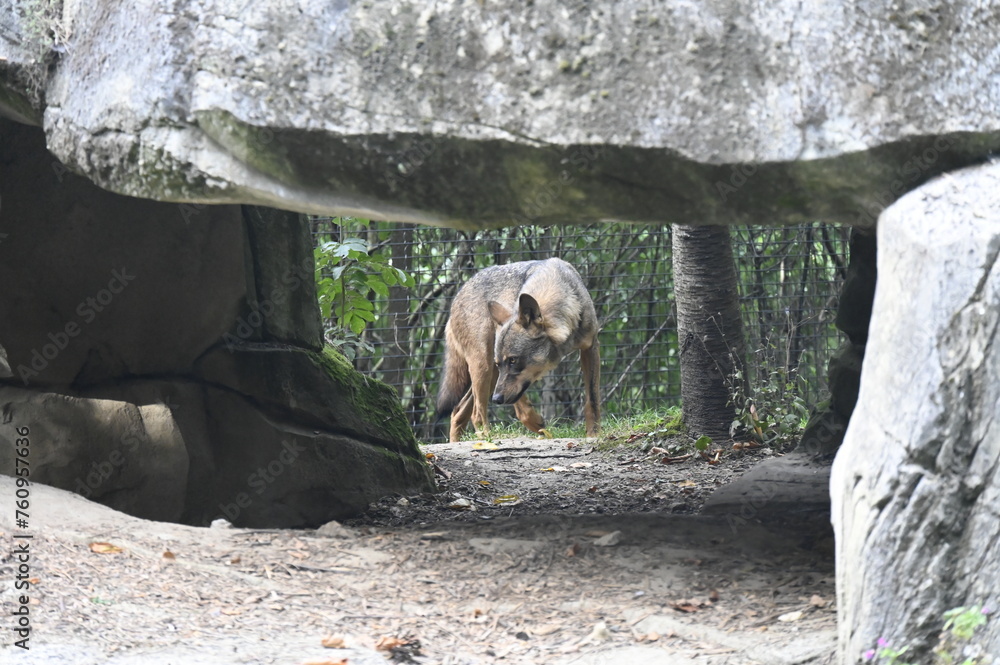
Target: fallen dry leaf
691,604
573,549
433,535
791,616
609,540
169,556
682,606
461,504
389,643
596,533
484,445
334,642
546,629
818,601
104,548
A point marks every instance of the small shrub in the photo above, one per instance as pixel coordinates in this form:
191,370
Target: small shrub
955,646
346,276
774,414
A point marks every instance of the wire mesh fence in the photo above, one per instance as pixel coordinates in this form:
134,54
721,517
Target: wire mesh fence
790,280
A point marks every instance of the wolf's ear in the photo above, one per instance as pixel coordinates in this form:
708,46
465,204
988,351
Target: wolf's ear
528,311
530,314
500,313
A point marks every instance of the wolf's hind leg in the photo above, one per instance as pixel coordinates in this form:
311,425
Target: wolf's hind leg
591,362
460,416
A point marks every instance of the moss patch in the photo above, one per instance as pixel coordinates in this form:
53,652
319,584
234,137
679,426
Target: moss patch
376,402
254,146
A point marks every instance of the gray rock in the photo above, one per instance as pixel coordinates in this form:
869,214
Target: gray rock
915,485
334,529
465,114
794,487
98,286
167,358
130,457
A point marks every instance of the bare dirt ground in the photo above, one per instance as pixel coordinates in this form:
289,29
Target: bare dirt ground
536,552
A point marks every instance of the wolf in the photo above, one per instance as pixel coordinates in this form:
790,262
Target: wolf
510,325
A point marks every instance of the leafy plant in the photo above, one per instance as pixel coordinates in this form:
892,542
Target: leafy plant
346,275
960,626
44,34
775,414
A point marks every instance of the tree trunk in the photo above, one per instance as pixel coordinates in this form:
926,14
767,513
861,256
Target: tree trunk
709,327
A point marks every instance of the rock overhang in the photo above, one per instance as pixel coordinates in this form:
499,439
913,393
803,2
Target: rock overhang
467,115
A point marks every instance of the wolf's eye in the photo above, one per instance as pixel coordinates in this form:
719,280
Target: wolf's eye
511,361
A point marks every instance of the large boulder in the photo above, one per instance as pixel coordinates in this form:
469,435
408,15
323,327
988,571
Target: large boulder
916,484
489,114
131,456
167,359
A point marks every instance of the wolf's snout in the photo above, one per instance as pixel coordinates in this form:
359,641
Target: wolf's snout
498,398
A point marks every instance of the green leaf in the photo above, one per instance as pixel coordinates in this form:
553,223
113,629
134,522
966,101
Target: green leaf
360,302
703,442
345,248
357,325
379,287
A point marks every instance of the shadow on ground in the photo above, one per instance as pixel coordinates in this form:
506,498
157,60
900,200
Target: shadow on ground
603,562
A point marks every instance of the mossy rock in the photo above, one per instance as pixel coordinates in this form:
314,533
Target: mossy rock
315,389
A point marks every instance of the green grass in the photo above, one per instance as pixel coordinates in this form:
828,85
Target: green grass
615,429
512,429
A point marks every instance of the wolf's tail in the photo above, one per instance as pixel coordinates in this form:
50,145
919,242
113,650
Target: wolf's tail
455,382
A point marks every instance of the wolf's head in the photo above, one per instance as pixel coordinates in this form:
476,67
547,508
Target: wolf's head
526,347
